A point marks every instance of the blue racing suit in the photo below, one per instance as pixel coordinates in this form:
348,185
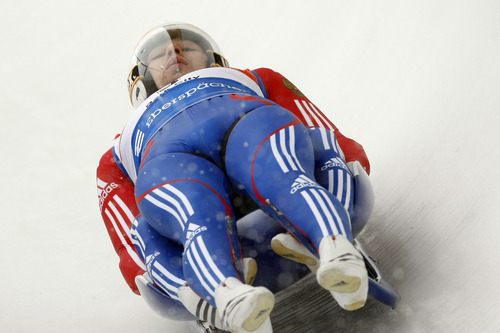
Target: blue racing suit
192,142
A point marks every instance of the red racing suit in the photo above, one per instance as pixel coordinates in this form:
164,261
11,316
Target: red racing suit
116,191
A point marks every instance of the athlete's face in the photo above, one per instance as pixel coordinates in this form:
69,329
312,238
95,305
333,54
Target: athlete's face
170,61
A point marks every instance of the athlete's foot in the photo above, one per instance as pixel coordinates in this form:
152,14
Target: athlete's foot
199,307
249,270
287,246
342,271
243,308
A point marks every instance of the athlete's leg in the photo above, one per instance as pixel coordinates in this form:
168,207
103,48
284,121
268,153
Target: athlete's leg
348,183
255,231
163,257
271,154
276,166
184,198
331,170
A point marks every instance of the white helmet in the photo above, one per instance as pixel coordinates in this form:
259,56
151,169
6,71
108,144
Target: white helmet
140,81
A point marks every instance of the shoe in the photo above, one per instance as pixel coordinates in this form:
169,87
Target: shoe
200,326
266,327
342,271
209,320
241,307
201,308
287,246
198,307
249,270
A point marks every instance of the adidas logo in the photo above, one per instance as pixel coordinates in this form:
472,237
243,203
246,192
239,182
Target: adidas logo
336,162
103,190
193,230
303,182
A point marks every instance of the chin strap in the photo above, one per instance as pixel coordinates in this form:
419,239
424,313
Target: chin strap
219,59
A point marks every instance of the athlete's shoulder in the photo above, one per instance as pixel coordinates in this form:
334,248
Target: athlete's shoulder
109,169
276,83
243,76
107,160
266,72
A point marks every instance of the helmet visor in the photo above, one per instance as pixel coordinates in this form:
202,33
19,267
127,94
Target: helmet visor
168,52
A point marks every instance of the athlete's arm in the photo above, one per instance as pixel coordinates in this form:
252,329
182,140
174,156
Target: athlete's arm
118,210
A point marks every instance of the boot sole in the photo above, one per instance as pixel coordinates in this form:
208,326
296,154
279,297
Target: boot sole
352,301
250,272
282,250
355,306
264,304
343,279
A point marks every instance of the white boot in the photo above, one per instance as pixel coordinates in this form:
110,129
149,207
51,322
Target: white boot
249,270
287,246
201,308
342,270
266,327
243,308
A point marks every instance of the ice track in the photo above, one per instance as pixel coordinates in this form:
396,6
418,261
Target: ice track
308,308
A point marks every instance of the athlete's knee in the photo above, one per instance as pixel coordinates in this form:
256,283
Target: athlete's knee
268,133
325,143
171,188
174,167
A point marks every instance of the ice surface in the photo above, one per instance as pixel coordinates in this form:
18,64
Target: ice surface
416,82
